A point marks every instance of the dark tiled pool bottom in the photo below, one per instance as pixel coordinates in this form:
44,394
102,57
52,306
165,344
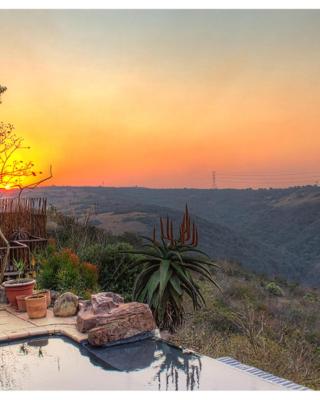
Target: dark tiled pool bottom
57,363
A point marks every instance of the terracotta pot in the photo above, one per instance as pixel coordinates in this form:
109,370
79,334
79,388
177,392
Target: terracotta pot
18,287
21,301
36,306
47,293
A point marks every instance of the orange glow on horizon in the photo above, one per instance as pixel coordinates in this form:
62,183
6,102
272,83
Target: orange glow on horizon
130,103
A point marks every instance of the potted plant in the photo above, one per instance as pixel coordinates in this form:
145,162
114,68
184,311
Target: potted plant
19,286
36,305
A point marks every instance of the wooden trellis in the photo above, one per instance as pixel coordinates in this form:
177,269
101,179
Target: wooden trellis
23,222
29,214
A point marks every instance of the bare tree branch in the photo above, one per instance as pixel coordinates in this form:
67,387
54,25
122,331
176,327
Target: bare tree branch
14,173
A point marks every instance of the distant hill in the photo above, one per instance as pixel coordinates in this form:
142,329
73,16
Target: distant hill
271,231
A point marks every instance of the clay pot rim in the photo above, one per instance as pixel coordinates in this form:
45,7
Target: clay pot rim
15,283
36,297
22,296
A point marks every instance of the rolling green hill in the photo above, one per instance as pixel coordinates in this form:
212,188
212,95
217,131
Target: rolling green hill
271,231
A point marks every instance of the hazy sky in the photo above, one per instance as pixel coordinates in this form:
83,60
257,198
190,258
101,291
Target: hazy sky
161,98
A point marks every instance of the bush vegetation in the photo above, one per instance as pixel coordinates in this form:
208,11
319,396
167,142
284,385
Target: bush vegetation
274,289
78,249
112,260
278,334
62,270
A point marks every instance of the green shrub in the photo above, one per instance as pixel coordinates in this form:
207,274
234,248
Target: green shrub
215,319
111,263
63,271
312,297
241,291
274,289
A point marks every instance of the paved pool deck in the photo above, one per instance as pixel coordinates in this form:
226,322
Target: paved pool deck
233,375
16,325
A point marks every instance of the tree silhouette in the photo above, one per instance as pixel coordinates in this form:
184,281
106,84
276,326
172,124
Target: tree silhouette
15,173
2,90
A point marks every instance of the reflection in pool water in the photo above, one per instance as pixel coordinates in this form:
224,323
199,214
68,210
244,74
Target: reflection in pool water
168,363
57,363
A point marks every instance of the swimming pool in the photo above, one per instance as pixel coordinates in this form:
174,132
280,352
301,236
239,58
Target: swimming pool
57,363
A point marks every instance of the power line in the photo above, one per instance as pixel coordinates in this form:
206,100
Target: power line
269,179
266,182
260,180
310,174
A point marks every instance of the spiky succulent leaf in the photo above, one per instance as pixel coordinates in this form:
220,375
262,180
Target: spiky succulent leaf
167,271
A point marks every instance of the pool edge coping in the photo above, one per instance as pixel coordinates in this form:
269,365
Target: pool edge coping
4,339
267,376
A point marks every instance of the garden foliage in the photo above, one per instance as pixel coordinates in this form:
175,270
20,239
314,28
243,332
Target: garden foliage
62,270
112,260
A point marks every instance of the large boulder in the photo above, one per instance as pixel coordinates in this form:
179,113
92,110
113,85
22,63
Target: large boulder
106,318
66,305
93,313
125,321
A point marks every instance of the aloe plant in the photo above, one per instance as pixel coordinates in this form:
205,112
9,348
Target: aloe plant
168,270
20,267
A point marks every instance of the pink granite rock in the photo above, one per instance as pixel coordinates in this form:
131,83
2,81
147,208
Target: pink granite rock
123,322
92,313
106,318
105,302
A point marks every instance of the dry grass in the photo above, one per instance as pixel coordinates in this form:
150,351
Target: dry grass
276,334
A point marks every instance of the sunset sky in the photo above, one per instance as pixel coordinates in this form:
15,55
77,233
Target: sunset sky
162,98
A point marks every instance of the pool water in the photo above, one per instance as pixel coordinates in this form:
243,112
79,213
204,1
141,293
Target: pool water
57,363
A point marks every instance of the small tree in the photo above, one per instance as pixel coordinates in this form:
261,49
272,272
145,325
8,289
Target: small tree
15,173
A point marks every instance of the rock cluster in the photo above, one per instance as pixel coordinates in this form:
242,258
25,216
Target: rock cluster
107,318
